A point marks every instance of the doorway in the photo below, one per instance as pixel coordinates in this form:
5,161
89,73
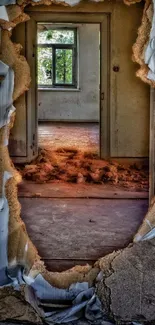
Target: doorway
68,68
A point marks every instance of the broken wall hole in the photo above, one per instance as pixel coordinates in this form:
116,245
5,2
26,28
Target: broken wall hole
22,253
69,163
69,155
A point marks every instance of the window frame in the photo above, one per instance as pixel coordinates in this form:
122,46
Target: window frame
56,46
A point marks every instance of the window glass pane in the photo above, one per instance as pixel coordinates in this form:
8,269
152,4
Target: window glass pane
64,70
44,66
46,35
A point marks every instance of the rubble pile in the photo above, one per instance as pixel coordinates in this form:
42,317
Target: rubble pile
71,165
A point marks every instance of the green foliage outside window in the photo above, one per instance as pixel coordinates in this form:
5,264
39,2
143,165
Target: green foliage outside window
64,66
44,66
55,57
56,36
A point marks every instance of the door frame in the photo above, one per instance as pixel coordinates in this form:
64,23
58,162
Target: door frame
103,20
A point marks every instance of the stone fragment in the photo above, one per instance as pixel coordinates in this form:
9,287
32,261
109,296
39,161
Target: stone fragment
129,283
13,306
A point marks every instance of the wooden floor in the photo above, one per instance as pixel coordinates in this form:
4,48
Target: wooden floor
70,231
72,190
83,136
76,224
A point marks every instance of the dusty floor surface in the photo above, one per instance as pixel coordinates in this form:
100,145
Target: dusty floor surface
83,136
72,190
70,231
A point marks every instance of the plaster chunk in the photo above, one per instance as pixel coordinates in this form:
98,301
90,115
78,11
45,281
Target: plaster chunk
13,11
131,283
13,306
4,18
16,14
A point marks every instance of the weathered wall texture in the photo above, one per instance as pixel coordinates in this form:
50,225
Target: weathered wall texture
125,284
81,105
129,97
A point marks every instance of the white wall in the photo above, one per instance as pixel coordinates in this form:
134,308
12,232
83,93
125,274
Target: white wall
82,105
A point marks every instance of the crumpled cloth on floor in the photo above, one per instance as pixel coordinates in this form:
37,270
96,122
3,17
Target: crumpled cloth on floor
54,305
66,305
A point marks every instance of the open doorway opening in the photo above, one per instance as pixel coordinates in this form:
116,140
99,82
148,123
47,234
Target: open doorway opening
69,86
73,116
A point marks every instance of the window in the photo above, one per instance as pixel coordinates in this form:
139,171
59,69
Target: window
57,56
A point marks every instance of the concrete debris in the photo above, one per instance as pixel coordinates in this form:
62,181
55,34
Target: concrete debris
130,283
74,166
14,307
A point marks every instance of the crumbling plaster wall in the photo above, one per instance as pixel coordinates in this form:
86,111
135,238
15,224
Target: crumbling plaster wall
125,284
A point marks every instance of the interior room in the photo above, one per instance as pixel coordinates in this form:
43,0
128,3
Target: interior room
83,160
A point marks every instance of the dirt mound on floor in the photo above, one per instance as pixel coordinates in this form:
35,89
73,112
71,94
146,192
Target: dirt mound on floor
71,165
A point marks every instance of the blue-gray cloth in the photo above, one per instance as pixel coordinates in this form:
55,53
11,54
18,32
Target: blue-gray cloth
54,305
